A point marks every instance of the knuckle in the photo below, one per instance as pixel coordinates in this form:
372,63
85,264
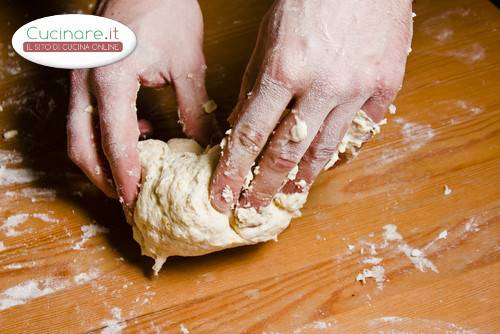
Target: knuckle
320,152
385,89
282,70
107,77
249,138
343,88
283,161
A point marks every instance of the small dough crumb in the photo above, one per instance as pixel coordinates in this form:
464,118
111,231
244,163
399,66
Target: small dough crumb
361,130
443,235
416,252
376,272
293,173
298,132
89,109
210,106
302,184
248,180
392,109
7,135
447,191
227,194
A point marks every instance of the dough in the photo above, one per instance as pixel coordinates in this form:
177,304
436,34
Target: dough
173,214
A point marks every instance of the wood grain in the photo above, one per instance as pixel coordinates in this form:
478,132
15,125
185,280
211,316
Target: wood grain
446,132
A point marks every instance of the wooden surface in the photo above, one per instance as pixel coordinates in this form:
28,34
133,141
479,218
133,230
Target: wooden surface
446,131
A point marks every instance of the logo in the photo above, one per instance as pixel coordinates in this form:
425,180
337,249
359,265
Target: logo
74,41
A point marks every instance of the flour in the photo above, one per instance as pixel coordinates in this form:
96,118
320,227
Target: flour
407,325
115,325
414,255
10,157
83,278
471,225
416,135
28,290
13,176
183,329
33,194
376,272
372,260
318,325
2,246
12,222
391,233
15,266
89,231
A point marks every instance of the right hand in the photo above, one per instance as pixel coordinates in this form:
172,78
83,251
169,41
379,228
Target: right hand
169,51
326,60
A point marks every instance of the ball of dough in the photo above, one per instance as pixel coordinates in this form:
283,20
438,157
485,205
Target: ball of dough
173,214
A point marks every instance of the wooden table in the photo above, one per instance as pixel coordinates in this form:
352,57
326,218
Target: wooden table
68,262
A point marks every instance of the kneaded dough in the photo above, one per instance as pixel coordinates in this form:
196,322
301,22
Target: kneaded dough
173,214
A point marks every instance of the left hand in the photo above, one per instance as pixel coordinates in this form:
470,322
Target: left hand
169,52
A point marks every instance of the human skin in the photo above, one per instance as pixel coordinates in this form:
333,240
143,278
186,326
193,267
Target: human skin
169,52
326,59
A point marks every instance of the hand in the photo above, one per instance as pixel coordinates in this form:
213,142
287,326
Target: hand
169,51
325,59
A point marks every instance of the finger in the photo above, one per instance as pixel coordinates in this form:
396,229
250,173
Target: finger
84,147
323,147
256,121
194,107
377,105
287,146
116,96
249,77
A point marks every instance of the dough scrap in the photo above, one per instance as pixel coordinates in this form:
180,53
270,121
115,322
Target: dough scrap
298,132
173,214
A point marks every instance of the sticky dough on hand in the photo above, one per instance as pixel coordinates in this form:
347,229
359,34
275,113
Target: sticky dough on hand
173,214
